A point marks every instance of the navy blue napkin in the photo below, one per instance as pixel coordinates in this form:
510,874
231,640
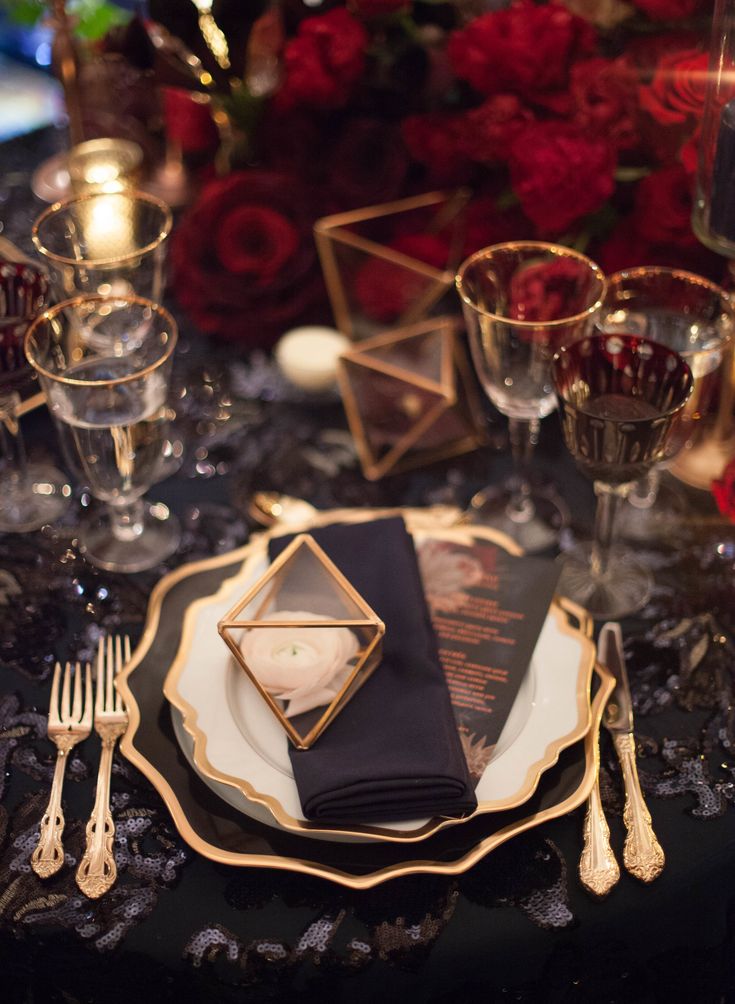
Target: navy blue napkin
393,752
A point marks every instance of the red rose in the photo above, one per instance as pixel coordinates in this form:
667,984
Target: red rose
663,207
527,49
676,92
490,129
560,174
605,99
668,10
435,140
723,491
243,257
323,62
188,120
384,290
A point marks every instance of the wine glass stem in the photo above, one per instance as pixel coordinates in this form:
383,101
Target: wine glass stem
12,447
523,435
644,491
127,521
608,502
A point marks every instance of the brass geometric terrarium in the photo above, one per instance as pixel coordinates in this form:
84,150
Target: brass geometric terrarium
392,264
410,398
305,637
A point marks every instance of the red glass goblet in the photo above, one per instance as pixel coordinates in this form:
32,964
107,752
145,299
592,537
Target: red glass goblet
32,494
620,397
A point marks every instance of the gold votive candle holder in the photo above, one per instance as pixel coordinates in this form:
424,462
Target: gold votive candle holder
306,639
107,164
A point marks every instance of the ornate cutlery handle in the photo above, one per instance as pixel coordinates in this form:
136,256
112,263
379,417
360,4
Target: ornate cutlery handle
642,854
48,855
598,867
97,870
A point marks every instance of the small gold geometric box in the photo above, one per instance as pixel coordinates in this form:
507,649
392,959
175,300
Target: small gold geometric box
305,637
410,398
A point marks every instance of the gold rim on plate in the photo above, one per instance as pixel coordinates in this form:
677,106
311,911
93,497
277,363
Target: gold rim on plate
417,521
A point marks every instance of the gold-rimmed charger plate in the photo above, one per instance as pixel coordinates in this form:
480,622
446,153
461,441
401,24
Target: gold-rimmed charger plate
217,748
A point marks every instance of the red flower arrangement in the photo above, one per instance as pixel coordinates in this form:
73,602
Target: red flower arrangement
723,491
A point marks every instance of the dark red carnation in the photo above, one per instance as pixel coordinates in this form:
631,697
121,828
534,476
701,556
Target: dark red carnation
663,207
723,491
490,129
560,174
488,224
627,248
527,49
323,62
604,95
244,263
384,290
668,10
675,94
435,140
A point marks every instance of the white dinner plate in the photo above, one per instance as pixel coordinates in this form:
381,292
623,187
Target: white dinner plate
235,744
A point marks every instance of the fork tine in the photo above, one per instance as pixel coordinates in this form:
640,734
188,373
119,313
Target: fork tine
125,659
109,686
99,705
53,714
76,711
87,716
65,689
118,667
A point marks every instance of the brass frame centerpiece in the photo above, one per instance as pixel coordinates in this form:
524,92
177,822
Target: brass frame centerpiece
284,634
413,408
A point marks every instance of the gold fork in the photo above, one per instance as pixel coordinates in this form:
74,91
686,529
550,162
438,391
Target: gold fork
67,725
97,870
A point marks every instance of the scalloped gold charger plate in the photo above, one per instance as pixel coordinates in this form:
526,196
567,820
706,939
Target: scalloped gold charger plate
222,834
239,750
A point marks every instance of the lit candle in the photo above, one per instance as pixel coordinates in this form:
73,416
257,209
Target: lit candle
108,165
308,356
108,227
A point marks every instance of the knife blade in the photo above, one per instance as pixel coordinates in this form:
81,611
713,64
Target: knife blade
642,854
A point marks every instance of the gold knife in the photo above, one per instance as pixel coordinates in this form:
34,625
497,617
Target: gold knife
642,853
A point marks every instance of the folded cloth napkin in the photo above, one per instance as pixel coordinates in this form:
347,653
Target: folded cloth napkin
393,752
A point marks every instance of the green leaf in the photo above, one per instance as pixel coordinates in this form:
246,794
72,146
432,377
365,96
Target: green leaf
24,12
94,18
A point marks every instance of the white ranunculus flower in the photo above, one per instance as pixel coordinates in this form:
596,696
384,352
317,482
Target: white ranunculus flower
305,666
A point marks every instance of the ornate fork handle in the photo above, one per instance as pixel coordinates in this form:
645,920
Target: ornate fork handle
48,855
642,853
97,870
598,868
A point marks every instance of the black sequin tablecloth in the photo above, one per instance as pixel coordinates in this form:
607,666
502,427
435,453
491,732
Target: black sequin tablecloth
517,926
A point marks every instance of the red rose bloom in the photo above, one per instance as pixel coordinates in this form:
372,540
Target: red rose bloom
188,120
723,491
668,10
605,99
663,207
243,257
560,174
435,140
676,92
527,49
490,129
323,62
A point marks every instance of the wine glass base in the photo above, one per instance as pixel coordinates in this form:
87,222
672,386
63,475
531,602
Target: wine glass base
623,589
536,532
158,539
643,520
43,499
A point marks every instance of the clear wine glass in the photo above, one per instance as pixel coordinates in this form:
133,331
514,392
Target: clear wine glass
32,493
521,302
620,397
105,243
108,395
695,317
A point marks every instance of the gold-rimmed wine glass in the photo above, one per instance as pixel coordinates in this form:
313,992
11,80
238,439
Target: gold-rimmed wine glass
521,301
108,393
620,397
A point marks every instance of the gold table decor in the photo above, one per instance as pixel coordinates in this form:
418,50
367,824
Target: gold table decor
374,278
410,398
305,637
